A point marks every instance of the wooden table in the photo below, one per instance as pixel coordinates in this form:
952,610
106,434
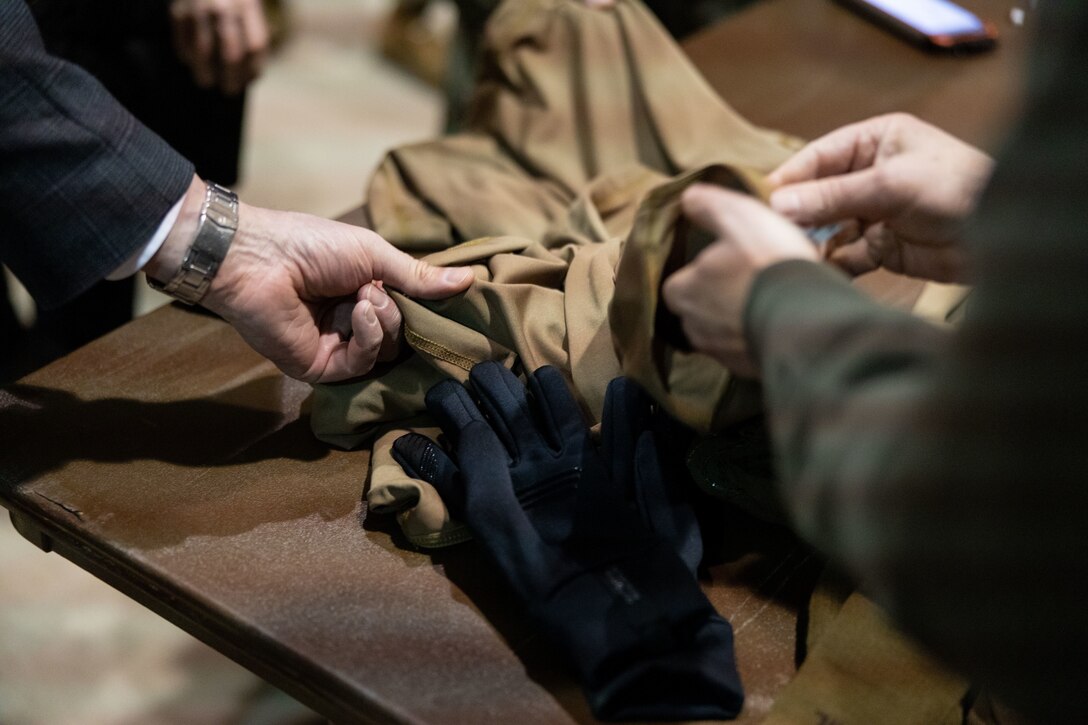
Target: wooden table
175,464
809,67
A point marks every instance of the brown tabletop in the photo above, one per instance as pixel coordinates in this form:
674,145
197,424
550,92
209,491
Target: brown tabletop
174,463
811,66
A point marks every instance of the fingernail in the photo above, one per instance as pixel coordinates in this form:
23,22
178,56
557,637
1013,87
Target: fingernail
376,297
456,275
369,315
786,202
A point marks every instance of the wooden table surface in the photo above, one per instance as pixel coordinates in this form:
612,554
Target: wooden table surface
175,464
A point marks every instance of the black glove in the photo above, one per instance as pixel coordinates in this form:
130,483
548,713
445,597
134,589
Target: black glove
586,538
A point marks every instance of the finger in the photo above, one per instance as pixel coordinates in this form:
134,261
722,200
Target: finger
422,458
859,256
733,353
495,515
747,231
389,317
894,253
453,408
561,418
203,58
677,290
231,53
600,4
358,355
849,231
415,277
850,148
854,259
660,504
504,400
340,318
256,38
627,413
719,211
182,30
862,195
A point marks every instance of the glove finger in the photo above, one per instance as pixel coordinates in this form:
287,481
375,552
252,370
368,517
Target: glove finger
627,413
504,400
495,514
662,508
422,458
605,508
453,408
561,418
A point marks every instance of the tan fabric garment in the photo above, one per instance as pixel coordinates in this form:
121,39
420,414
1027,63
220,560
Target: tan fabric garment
567,95
578,115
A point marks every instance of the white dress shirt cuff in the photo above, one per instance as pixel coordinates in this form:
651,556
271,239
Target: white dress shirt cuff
144,254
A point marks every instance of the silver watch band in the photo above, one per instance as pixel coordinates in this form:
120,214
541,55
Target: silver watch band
214,233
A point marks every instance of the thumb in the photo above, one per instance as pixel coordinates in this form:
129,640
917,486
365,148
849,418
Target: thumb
858,195
855,258
718,210
417,278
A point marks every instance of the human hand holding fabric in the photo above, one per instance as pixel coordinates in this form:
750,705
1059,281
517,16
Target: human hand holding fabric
910,185
710,294
224,42
308,293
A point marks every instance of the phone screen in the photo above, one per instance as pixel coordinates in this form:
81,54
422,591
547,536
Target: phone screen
932,17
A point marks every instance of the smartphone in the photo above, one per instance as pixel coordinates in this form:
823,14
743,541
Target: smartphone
934,24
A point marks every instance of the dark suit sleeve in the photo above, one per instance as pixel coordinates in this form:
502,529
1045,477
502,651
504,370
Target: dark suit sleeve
949,471
82,183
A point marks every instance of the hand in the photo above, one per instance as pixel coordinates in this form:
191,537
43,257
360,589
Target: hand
710,294
910,185
308,293
224,42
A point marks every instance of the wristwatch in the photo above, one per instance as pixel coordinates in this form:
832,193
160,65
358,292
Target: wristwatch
215,231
